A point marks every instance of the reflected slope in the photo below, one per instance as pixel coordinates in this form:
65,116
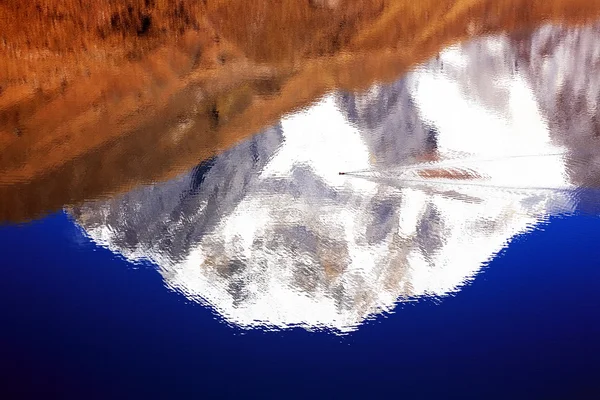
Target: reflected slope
270,235
93,104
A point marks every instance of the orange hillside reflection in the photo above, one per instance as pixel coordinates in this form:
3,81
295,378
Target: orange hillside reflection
98,101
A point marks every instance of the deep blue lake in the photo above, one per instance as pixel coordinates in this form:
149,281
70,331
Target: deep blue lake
80,322
434,237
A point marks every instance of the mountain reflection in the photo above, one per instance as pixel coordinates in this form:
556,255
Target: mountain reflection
270,235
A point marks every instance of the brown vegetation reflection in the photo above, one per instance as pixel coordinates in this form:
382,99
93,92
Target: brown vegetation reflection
99,98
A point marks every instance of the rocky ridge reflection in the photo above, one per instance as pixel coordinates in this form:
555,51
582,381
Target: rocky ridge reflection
269,235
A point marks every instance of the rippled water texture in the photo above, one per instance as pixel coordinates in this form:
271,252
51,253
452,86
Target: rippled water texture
285,182
445,166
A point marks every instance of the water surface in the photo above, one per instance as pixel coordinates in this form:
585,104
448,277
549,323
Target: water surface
427,236
443,168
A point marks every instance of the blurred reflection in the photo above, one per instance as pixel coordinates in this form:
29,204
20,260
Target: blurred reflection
503,131
97,99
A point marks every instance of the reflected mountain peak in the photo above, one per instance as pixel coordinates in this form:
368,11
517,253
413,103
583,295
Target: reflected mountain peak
300,185
457,158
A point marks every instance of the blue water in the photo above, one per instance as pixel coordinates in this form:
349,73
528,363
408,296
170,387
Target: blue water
80,322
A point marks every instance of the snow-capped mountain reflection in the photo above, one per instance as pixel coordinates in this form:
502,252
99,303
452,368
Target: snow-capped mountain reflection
270,235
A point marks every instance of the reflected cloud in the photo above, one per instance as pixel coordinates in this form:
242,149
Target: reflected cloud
443,168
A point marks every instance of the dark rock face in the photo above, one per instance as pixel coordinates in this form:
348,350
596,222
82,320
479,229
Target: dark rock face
563,65
173,216
379,113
